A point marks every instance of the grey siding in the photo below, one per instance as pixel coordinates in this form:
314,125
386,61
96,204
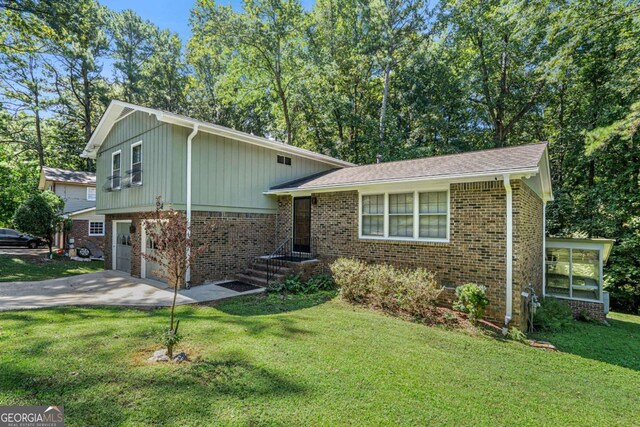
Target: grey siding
156,170
230,175
74,196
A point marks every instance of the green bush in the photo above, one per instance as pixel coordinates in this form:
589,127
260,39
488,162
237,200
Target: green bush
471,298
409,291
320,282
294,285
552,315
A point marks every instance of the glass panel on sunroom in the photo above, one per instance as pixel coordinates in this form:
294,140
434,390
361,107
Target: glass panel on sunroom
586,273
558,272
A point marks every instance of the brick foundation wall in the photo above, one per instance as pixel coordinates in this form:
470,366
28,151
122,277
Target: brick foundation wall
80,233
237,238
594,310
476,250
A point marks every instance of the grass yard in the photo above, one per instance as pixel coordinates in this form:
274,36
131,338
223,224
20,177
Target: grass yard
309,361
26,268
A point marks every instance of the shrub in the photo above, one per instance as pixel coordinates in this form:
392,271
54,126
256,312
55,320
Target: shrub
319,282
351,276
471,299
412,292
294,285
552,315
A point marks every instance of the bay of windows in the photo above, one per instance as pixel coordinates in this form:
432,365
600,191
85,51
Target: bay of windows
410,215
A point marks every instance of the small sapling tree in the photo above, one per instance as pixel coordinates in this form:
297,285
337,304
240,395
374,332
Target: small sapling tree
40,215
175,250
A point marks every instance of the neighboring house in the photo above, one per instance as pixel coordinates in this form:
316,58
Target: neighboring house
78,190
471,217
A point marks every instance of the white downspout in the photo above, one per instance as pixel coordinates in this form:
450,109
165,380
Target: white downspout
544,247
189,150
509,299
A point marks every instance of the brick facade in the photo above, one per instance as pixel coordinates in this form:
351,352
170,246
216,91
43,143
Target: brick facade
475,253
595,310
80,233
527,245
237,238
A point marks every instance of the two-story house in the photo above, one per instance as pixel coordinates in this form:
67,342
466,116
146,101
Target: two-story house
78,190
469,217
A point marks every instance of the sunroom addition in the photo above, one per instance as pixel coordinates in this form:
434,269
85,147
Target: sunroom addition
573,268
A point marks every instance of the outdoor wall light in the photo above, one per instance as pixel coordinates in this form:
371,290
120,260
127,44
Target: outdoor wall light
132,228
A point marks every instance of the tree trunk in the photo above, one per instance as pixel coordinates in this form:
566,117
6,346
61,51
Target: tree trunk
383,108
86,89
285,109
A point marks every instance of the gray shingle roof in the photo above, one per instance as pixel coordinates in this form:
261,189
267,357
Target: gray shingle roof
65,175
497,160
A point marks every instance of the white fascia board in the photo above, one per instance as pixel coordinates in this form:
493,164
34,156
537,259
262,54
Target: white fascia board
451,179
80,212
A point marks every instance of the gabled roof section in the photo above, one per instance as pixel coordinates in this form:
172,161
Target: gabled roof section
68,176
119,110
525,160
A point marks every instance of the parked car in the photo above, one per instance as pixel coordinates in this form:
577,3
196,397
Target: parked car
9,237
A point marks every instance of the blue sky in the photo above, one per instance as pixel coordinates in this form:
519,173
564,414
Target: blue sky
171,14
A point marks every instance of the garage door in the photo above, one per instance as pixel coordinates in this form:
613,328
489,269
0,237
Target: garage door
123,247
153,270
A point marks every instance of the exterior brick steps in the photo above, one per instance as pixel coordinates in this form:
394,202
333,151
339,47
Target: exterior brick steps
262,266
279,275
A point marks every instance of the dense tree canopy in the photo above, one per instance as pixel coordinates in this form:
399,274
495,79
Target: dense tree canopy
352,79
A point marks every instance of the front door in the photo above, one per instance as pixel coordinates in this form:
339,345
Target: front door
123,246
302,224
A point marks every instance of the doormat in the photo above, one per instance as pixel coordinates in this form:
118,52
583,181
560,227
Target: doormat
238,286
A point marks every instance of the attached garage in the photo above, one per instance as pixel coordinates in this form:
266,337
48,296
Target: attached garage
151,269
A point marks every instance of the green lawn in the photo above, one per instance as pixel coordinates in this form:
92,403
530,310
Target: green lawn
312,362
36,267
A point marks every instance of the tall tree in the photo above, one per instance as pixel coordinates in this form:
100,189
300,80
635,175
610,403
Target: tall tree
264,40
132,47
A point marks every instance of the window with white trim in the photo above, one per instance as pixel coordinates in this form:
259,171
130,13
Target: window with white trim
433,214
401,215
96,228
136,164
116,166
91,194
373,215
416,215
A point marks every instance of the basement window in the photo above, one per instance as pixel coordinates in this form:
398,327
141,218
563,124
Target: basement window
284,160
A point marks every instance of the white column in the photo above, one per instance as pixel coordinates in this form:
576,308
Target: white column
544,247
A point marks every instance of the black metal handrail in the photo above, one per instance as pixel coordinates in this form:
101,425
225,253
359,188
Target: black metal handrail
284,253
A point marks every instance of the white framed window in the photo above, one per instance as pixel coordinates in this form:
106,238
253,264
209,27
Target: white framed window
372,218
136,163
116,167
91,194
574,272
408,215
96,228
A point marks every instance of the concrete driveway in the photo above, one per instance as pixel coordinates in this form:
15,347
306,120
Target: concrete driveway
105,288
12,250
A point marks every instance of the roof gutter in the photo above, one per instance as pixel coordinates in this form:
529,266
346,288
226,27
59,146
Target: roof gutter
509,232
193,133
